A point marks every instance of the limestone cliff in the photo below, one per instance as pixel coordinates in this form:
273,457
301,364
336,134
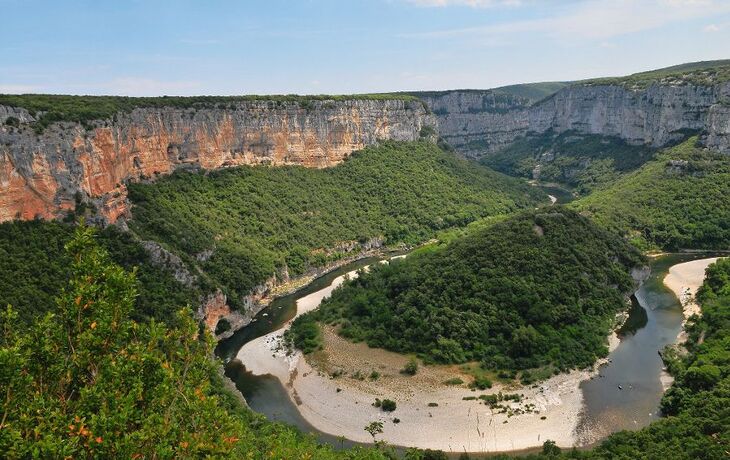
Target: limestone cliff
476,123
42,174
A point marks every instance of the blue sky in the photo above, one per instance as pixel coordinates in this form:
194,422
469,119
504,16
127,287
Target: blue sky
186,47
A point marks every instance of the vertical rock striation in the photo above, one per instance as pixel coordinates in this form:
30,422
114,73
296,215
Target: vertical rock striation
478,123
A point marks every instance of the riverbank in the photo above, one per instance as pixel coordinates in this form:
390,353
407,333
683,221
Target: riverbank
684,280
334,393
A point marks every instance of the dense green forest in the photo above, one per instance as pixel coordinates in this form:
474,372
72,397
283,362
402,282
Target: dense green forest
249,222
51,108
34,267
678,200
86,381
697,406
541,288
696,425
582,161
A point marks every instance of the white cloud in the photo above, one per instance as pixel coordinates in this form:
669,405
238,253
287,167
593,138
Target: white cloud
18,89
469,3
597,19
711,28
132,86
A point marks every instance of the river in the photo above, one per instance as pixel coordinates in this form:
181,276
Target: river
654,322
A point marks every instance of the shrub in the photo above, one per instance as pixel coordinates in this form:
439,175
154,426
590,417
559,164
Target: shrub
481,383
411,367
388,405
304,334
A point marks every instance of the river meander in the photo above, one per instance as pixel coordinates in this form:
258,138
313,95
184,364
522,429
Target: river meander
624,395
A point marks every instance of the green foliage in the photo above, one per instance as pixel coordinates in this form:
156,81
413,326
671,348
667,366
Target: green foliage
85,381
374,428
51,108
388,405
550,449
481,383
411,367
304,334
541,287
678,200
426,132
698,404
34,267
704,73
584,162
257,220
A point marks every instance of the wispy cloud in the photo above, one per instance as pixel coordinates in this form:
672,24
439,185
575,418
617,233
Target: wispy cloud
469,3
200,41
597,19
716,27
133,86
19,89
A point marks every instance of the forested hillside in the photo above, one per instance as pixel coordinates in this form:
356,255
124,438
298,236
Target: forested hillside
85,381
678,200
34,267
697,407
541,288
242,225
582,161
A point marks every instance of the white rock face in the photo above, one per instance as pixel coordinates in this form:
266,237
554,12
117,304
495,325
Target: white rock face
478,123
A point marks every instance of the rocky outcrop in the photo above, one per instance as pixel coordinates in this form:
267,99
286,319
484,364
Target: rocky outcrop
223,321
474,121
220,319
161,257
640,274
477,124
41,174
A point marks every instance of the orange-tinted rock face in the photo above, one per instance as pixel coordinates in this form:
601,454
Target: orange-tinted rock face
215,308
31,196
39,175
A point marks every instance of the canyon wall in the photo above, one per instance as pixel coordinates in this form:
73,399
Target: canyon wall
43,175
476,123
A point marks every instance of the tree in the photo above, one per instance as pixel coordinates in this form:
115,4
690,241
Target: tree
374,428
550,449
85,381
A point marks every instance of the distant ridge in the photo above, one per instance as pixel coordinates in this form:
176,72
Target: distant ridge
529,92
717,70
706,73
